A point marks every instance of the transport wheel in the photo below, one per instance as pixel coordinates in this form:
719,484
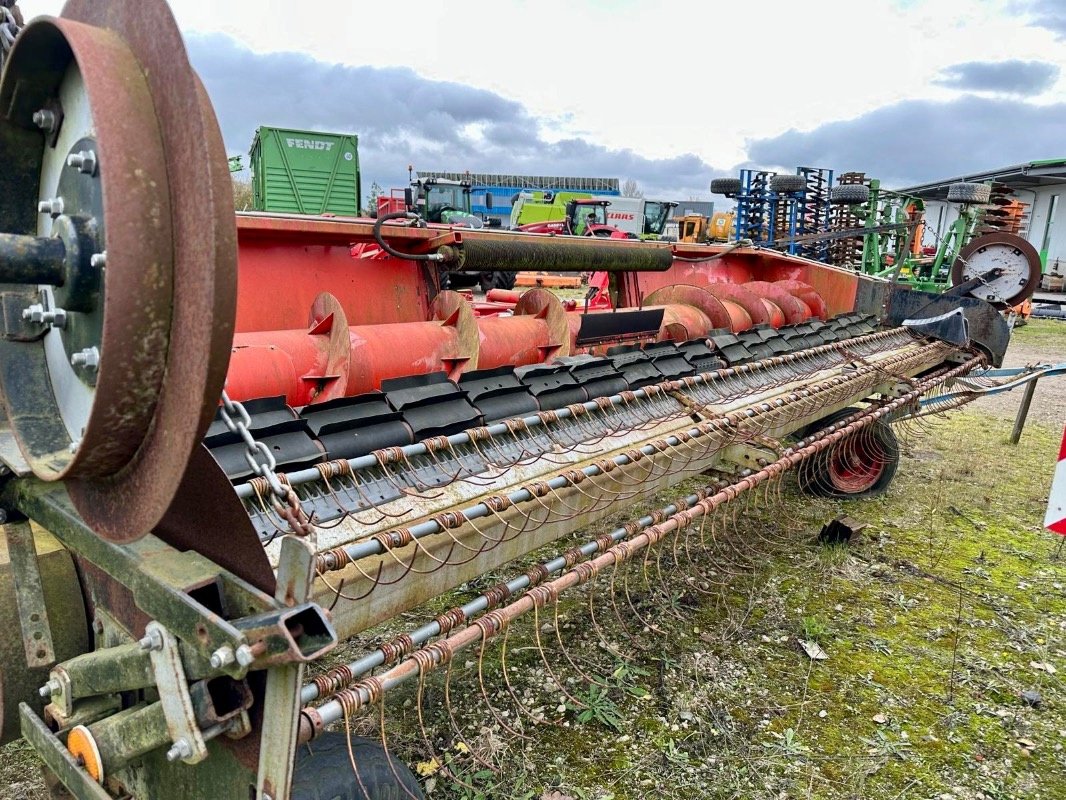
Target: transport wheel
785,184
850,194
726,186
497,280
324,771
863,465
963,192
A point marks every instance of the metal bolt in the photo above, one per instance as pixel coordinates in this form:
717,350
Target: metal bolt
45,120
152,640
245,656
179,750
98,260
53,207
222,657
84,161
52,687
34,313
52,316
88,358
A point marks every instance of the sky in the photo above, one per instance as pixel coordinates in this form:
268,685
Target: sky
667,94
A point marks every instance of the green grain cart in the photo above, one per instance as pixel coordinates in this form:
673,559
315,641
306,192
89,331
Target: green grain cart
305,172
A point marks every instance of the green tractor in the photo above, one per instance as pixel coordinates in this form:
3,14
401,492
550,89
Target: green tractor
447,202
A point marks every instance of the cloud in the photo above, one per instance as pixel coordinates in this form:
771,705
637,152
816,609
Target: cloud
403,118
1023,78
919,140
1049,14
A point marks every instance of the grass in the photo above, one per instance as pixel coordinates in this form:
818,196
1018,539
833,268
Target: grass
933,622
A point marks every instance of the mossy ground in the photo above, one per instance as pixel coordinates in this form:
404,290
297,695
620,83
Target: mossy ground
950,605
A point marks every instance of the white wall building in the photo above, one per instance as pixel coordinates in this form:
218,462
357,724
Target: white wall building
1041,184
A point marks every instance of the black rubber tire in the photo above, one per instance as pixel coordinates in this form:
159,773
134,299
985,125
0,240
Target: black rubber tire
324,771
821,475
963,192
726,186
497,280
850,194
786,184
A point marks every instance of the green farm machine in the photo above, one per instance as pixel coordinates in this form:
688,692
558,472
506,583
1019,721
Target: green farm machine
858,224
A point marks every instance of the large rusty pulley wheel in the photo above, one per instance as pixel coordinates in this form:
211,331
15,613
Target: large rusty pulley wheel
117,258
1018,262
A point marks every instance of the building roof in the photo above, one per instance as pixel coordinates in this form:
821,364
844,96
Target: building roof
1030,175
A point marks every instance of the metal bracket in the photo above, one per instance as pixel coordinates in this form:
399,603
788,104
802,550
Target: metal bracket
950,327
296,569
748,456
16,328
58,759
185,733
29,594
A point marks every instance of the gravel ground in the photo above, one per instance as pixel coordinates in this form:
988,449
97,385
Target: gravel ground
1039,342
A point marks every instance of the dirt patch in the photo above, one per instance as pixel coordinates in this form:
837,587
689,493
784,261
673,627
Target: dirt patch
1039,342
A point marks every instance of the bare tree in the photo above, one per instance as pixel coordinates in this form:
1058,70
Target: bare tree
630,188
242,193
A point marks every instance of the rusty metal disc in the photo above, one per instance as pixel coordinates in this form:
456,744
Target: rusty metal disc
452,309
546,305
806,293
686,294
795,310
128,504
1018,259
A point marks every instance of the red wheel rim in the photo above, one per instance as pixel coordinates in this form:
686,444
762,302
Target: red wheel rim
856,466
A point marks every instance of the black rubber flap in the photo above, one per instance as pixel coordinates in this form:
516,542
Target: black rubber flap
597,375
701,356
669,360
729,346
350,427
498,394
635,366
552,385
431,405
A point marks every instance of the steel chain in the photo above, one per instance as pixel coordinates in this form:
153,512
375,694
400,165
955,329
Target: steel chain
287,504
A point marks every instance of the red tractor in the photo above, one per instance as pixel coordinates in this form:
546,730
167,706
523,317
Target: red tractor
584,217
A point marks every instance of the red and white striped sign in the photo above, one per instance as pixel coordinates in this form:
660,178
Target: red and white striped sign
1056,505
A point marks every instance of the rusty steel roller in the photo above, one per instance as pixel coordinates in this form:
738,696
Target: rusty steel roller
108,378
537,252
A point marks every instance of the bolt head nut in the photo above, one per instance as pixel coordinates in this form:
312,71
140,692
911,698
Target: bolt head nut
88,358
53,207
84,161
222,657
180,749
151,641
245,656
45,120
98,260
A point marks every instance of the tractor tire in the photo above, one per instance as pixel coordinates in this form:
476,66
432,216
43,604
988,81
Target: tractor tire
862,465
324,772
726,186
969,193
850,194
786,184
497,280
